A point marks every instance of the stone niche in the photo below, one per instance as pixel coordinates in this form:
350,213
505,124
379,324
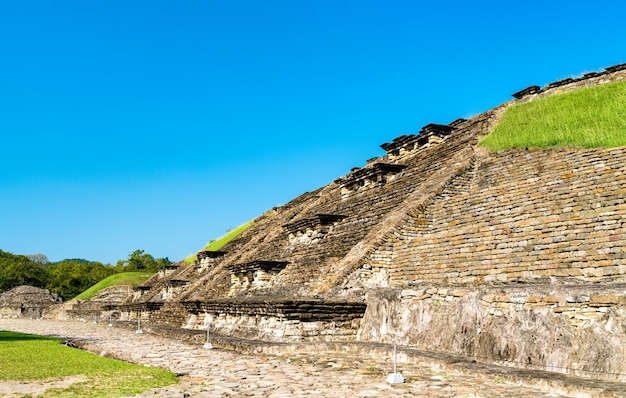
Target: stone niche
172,288
559,83
376,175
145,310
139,291
281,319
207,259
255,274
166,271
616,68
310,230
405,144
527,91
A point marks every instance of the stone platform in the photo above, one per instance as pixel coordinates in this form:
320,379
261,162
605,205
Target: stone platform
337,370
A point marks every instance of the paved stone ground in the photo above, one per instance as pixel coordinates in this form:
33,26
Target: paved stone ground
219,373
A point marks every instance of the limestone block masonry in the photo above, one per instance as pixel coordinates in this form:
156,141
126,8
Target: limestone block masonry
524,217
515,258
26,302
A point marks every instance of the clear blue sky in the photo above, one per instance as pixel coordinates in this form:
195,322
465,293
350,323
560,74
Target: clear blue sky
157,125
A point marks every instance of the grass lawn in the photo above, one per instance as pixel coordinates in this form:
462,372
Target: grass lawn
125,278
587,118
218,243
30,358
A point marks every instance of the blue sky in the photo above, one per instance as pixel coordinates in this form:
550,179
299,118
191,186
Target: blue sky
158,125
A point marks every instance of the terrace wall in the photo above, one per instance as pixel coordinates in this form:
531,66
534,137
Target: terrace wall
520,260
523,217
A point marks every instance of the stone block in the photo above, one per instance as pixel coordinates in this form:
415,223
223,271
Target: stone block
602,300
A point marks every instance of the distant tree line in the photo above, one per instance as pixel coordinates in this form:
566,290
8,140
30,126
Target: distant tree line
70,277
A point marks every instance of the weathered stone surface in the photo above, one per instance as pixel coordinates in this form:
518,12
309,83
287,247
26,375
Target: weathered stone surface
527,91
537,327
521,217
103,307
26,301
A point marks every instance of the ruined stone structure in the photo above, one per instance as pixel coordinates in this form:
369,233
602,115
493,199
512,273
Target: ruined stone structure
26,302
102,307
517,257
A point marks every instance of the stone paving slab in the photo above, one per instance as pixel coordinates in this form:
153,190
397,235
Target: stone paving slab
220,373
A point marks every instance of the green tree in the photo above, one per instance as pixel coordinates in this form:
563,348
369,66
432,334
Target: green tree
70,277
139,261
17,270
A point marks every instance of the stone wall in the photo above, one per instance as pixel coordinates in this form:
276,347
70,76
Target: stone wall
26,301
280,320
576,330
102,307
520,260
524,217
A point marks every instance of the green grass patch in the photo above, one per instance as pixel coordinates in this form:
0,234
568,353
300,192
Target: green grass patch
220,242
124,278
30,358
587,118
